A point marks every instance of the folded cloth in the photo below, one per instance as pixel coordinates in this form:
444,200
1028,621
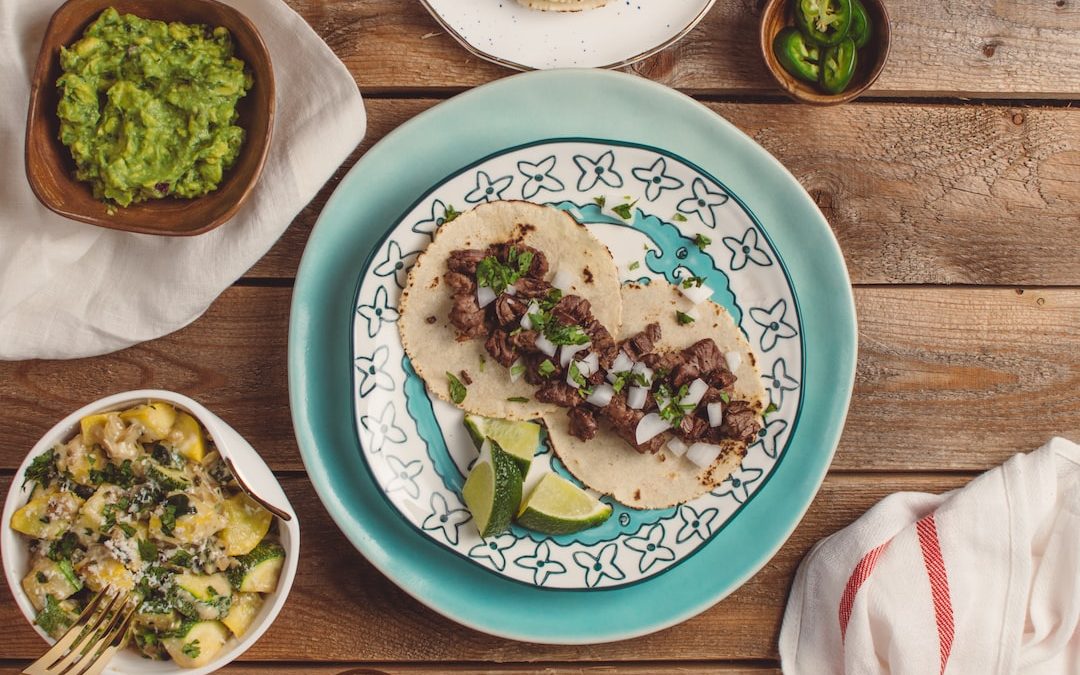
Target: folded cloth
984,579
68,289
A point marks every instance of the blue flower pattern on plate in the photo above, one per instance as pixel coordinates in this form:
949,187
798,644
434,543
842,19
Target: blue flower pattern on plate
381,429
445,520
395,264
651,547
630,548
703,203
600,565
541,563
745,250
738,484
488,190
695,523
378,312
772,320
493,549
539,177
404,476
600,170
372,370
656,179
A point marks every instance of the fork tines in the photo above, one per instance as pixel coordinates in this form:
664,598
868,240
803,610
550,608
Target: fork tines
100,631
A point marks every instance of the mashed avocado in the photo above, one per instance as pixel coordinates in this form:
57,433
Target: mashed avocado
148,109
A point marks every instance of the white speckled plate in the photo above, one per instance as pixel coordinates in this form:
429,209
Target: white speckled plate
617,34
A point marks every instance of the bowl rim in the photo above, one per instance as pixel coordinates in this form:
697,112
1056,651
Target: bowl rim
13,547
40,73
819,98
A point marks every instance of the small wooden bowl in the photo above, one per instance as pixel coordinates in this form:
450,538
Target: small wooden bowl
51,170
778,14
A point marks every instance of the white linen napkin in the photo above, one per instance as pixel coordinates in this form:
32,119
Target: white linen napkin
68,289
984,579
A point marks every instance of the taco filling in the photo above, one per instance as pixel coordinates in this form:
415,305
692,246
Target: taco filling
650,397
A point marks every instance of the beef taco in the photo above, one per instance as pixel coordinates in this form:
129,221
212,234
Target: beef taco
465,312
685,399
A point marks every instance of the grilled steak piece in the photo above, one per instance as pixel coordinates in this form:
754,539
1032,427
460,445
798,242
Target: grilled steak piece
499,346
583,423
642,343
467,317
559,393
740,422
465,260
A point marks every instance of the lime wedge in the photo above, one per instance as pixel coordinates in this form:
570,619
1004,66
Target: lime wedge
519,439
557,506
492,492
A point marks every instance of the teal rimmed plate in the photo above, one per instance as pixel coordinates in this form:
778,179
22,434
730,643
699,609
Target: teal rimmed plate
387,461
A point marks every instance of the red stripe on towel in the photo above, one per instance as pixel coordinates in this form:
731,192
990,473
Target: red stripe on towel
939,585
858,576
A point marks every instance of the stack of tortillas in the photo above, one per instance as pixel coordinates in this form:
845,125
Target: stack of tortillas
563,5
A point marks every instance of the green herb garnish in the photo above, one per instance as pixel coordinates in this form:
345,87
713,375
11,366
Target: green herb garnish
457,389
769,410
518,399
690,282
546,368
634,265
191,649
483,362
683,318
565,335
576,376
517,370
53,619
147,550
725,397
450,213
624,210
701,241
600,201
679,218
42,470
62,548
497,276
672,410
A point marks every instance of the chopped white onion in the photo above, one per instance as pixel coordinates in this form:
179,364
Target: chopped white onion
601,395
694,393
545,345
485,295
590,364
734,360
716,413
641,369
568,352
622,363
676,446
703,454
696,294
650,426
517,369
526,322
563,279
635,398
511,290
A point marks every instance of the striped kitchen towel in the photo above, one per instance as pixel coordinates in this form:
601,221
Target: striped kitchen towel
984,579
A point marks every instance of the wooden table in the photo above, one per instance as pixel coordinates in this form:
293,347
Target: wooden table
953,187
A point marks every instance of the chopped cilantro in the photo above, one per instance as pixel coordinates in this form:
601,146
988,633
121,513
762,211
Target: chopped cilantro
518,399
52,618
565,335
690,282
191,649
546,368
497,275
117,475
701,241
679,218
483,362
621,379
683,318
634,265
769,410
147,550
457,389
517,370
601,201
624,210
42,470
181,558
450,213
672,410
579,379
725,397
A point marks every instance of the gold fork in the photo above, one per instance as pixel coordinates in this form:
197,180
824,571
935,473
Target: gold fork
102,629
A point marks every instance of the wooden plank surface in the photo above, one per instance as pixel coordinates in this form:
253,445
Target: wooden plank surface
668,668
1019,48
948,379
342,609
916,194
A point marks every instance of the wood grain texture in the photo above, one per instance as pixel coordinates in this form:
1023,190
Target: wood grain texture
358,615
916,194
948,378
1014,48
668,668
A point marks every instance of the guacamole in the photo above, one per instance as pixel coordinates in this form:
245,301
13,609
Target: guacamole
148,109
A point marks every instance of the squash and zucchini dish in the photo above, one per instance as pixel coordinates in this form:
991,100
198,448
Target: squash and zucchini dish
142,501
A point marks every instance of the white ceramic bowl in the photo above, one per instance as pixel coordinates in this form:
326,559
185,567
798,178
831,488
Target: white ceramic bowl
13,546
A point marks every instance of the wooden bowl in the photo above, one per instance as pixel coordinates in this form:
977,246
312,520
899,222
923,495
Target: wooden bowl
51,170
778,14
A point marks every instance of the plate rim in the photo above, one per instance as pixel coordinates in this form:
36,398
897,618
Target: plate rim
303,319
508,63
